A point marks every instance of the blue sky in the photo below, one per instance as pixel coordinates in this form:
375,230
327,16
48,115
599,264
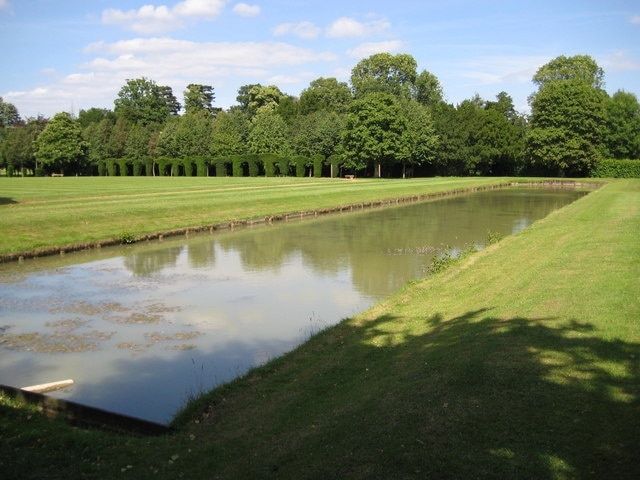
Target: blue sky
67,55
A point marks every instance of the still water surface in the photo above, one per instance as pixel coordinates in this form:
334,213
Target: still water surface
141,329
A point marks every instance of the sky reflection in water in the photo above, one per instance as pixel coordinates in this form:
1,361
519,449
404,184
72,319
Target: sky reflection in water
142,328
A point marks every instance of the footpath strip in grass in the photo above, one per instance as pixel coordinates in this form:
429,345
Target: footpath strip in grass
37,213
522,361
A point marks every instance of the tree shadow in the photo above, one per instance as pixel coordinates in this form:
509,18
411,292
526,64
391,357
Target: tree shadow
509,398
474,396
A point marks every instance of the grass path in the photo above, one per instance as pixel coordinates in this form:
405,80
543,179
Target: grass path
521,361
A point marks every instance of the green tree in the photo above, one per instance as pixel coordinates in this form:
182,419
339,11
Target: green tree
385,73
199,98
325,94
567,128
60,146
622,137
94,115
98,135
143,101
9,116
427,89
578,68
421,136
269,134
243,98
264,99
375,133
317,133
229,133
18,149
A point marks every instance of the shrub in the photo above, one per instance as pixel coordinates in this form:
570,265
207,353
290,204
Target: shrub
617,169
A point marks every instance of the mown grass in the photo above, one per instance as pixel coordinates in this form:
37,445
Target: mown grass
521,361
54,212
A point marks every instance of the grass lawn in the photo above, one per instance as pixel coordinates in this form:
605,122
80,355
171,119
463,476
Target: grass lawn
520,361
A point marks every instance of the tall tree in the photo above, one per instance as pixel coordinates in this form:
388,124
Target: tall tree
567,128
269,133
60,147
199,98
375,132
422,137
427,89
230,133
143,101
18,149
386,73
325,94
622,137
317,133
578,68
9,116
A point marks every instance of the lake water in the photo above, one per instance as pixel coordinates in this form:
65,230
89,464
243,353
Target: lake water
142,328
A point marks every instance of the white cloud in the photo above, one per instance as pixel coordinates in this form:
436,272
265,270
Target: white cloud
491,70
619,61
305,30
367,49
5,5
150,19
246,10
635,19
348,27
176,63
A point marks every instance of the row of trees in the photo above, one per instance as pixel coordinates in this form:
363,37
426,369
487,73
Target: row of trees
391,120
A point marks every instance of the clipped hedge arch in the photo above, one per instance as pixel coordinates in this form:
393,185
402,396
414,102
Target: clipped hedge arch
317,161
269,161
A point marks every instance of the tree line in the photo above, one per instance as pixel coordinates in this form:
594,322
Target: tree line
390,120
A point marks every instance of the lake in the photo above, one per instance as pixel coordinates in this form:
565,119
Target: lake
142,328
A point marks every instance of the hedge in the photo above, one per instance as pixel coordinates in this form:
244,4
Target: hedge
617,169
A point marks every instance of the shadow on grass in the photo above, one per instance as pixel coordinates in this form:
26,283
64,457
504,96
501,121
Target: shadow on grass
7,201
473,397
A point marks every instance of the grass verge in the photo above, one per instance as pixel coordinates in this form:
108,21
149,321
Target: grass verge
520,361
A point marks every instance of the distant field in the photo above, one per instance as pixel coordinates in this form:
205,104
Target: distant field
55,212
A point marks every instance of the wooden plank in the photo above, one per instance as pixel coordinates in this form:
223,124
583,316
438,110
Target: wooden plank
48,387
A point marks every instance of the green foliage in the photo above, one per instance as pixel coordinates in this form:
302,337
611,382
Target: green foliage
325,94
199,98
317,133
269,161
9,116
60,146
622,137
143,101
578,68
615,168
567,128
450,257
229,133
375,132
127,238
384,73
269,134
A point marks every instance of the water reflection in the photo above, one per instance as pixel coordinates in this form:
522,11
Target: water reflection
141,328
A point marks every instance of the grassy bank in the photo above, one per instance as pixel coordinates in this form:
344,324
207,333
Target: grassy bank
522,361
41,213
